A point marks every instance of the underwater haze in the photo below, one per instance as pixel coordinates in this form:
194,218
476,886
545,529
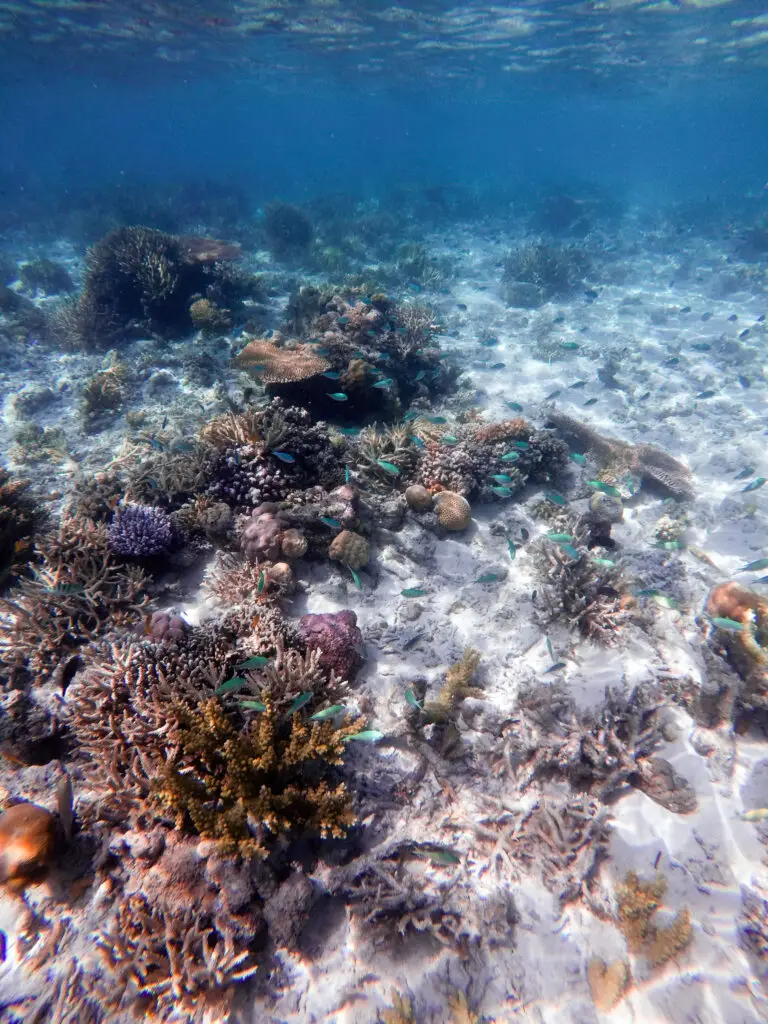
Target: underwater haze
383,512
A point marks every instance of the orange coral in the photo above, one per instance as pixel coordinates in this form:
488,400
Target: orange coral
280,365
27,842
732,601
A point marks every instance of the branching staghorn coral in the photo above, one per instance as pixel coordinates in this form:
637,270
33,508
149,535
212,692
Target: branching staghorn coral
77,592
165,468
164,748
455,689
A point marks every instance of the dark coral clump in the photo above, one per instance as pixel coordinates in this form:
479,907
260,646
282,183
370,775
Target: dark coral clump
140,279
534,274
288,230
45,276
338,638
140,531
19,519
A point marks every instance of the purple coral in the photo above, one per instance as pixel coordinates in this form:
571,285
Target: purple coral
261,535
140,531
336,636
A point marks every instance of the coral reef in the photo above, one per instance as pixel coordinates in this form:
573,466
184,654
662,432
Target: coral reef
456,688
76,593
140,531
210,318
19,520
104,392
658,471
337,637
537,273
418,498
261,536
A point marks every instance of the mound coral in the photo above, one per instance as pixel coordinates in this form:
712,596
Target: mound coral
350,549
27,842
453,511
337,637
418,498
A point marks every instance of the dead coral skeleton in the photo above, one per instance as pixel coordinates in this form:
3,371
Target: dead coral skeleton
656,468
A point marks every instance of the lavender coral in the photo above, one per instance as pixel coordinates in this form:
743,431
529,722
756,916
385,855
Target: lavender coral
140,531
338,638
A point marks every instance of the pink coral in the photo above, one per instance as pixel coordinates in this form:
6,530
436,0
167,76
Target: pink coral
336,636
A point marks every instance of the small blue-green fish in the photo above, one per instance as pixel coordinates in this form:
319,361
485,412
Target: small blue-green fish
665,601
569,550
489,342
367,736
578,458
262,582
237,457
550,652
761,563
671,545
338,396
512,549
410,697
514,406
449,439
67,588
603,561
510,457
599,485
671,362
569,346
417,441
255,662
489,577
557,667
754,485
283,456
414,287
350,431
502,478
356,579
497,366
420,375
300,701
686,309
589,401
386,383
647,592
437,855
343,320
522,446
347,475
331,712
388,467
744,334
335,524
164,424
555,498
437,419
577,384
231,684
503,492
552,394
410,416
155,443
729,625
560,538
706,394
332,374
701,346
323,351
253,705
644,396
412,592
744,473
182,446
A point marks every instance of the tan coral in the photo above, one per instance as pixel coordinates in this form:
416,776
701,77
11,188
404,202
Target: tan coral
280,576
418,498
280,365
293,544
516,429
350,549
453,511
27,842
607,982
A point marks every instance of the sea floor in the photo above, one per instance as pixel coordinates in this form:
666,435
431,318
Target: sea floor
670,349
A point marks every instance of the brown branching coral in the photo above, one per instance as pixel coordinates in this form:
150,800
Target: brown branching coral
76,593
456,688
103,392
400,1012
19,518
638,902
167,965
173,472
280,365
657,470
164,749
254,426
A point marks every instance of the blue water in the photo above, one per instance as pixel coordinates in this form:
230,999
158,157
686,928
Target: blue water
652,103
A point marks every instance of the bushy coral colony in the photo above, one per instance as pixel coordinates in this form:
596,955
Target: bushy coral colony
195,765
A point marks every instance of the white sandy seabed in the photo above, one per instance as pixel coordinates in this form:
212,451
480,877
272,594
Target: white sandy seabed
538,972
